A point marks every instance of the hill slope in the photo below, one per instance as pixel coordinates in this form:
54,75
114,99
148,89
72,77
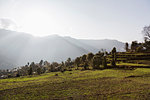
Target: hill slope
105,44
20,48
79,85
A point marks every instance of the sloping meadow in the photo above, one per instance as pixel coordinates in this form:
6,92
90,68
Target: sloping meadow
88,84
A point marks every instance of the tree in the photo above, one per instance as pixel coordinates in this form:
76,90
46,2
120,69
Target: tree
147,45
28,63
89,58
34,67
146,33
69,60
77,61
68,63
54,66
134,45
41,63
113,63
84,61
39,71
104,62
100,54
96,62
126,46
114,57
30,71
62,67
113,52
83,58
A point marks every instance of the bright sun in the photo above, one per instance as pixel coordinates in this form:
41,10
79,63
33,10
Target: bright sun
37,23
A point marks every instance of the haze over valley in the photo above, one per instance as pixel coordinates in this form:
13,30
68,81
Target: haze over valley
74,49
18,48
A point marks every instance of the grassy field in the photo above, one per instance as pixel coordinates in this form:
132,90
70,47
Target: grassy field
113,84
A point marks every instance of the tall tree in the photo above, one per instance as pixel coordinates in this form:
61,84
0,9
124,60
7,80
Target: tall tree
114,57
126,46
89,58
41,63
30,71
77,61
146,33
84,61
68,62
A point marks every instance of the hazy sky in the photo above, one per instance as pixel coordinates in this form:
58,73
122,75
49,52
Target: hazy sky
93,19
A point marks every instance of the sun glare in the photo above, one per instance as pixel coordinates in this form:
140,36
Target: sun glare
37,23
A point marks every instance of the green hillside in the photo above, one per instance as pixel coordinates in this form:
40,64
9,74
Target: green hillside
75,85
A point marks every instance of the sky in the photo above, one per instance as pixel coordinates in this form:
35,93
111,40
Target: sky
83,19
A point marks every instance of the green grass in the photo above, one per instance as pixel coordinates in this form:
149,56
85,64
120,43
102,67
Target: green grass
90,84
133,64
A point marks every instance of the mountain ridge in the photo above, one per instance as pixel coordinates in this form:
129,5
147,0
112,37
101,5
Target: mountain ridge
21,48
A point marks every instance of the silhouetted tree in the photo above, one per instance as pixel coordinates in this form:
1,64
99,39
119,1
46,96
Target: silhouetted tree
113,52
41,63
28,63
126,47
114,57
30,71
146,33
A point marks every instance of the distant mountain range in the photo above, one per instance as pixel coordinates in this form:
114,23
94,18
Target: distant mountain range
18,48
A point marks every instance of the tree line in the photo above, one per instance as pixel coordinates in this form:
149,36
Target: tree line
140,47
86,61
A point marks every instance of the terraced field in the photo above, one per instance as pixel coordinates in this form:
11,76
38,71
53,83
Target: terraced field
75,85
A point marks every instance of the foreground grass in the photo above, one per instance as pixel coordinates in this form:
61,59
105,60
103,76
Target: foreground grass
99,84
